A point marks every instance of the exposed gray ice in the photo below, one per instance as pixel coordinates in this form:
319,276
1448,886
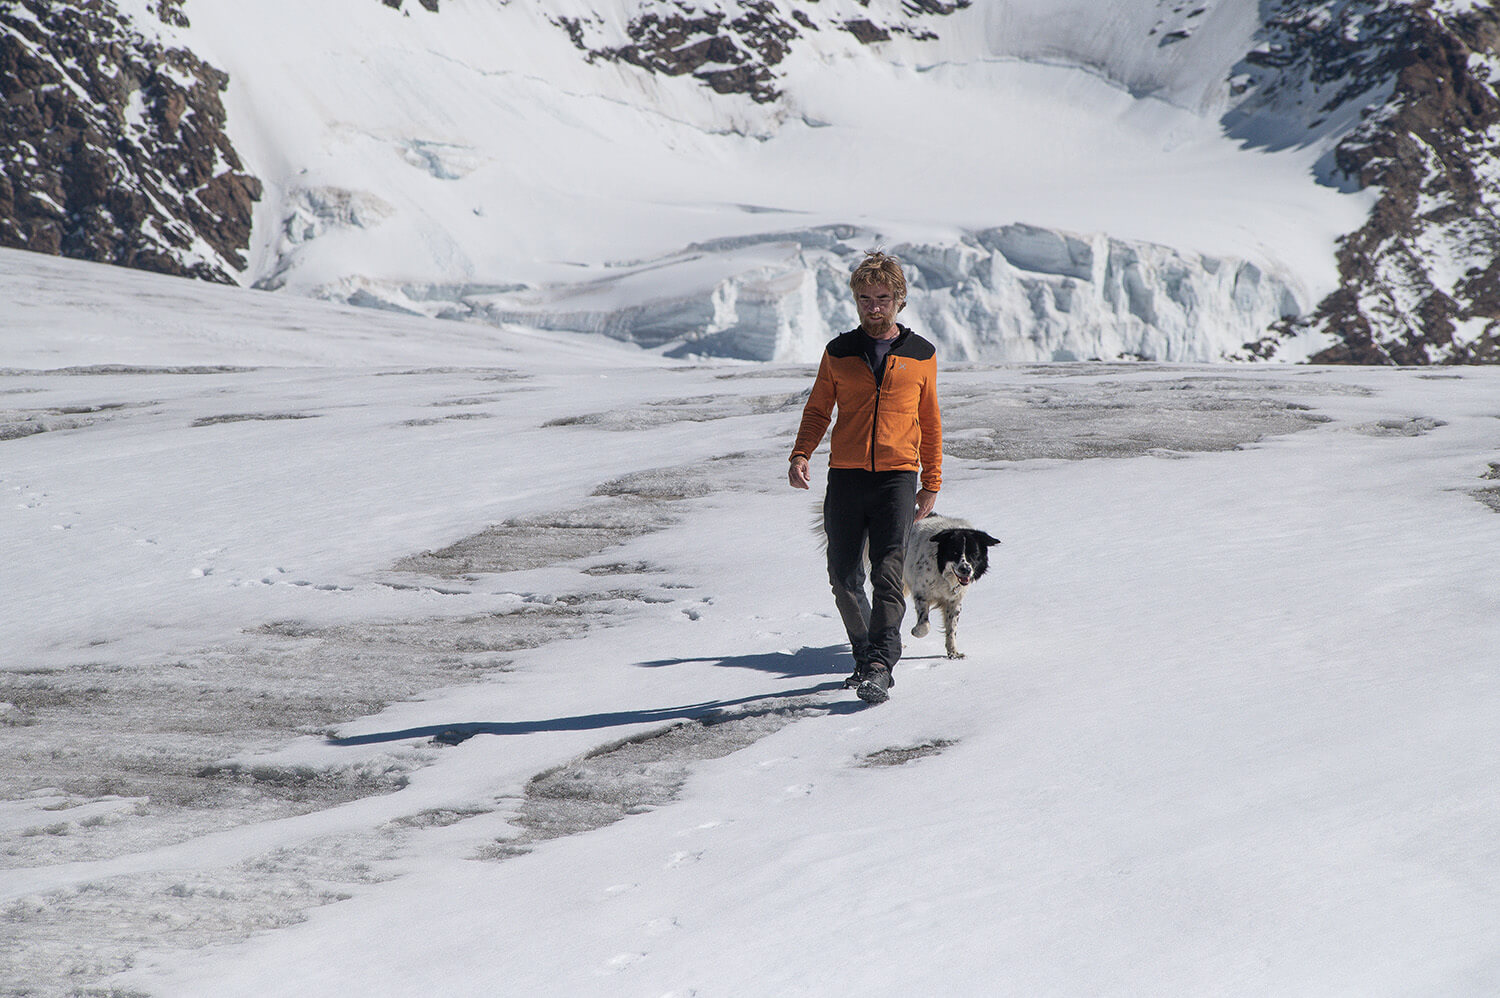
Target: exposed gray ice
902,755
1074,420
637,774
536,541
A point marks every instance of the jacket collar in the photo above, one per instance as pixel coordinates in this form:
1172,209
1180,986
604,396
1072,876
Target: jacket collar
902,333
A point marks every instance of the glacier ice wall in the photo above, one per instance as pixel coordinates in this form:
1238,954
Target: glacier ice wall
1011,293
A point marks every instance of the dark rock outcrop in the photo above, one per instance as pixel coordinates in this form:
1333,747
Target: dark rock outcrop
739,54
112,145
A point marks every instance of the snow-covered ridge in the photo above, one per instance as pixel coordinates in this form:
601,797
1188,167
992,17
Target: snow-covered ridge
586,184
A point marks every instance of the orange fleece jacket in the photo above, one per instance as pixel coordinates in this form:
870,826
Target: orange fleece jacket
894,425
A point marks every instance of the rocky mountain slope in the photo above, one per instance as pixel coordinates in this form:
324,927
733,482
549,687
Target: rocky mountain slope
1420,281
117,146
739,50
113,142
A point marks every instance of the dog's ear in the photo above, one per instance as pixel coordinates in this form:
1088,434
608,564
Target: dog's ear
941,536
986,539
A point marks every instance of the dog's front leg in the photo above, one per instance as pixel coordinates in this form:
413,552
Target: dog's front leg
920,628
950,628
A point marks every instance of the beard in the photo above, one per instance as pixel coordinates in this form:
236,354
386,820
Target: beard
882,328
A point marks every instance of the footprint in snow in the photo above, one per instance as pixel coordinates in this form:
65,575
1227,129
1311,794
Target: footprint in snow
621,961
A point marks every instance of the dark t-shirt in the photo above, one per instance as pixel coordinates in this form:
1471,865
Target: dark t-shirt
876,352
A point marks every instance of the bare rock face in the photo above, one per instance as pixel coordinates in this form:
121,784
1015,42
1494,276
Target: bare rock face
1420,282
739,52
113,145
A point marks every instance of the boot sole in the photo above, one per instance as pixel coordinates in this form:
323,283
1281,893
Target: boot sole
871,694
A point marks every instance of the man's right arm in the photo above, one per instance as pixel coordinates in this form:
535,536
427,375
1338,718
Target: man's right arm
816,415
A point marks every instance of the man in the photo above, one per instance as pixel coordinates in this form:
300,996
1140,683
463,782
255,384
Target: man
882,379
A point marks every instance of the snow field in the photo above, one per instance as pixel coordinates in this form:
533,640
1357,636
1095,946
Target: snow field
1152,793
1225,724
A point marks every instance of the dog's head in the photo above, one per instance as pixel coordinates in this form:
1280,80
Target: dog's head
963,553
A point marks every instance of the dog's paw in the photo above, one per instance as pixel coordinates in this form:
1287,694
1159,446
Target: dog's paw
920,631
954,653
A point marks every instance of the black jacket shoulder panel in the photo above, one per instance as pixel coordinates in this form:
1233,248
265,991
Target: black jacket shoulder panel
908,344
850,344
916,347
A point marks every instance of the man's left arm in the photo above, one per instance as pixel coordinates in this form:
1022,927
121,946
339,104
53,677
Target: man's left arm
930,417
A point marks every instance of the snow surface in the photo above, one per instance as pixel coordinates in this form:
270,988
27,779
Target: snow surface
1227,722
474,162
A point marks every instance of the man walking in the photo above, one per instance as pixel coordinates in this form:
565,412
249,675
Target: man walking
882,379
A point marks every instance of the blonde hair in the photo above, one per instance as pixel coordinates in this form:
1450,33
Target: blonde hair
879,268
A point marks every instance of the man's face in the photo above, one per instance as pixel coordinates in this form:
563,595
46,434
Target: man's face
877,305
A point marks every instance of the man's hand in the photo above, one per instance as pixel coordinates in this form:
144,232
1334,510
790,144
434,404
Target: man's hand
797,474
925,501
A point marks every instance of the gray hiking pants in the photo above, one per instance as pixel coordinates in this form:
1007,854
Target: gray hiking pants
874,510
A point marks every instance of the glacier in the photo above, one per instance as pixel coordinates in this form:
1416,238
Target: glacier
697,178
1015,292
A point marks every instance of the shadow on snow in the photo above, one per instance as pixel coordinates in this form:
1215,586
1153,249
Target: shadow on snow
804,663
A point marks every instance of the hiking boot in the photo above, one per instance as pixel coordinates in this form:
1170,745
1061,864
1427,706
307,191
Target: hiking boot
860,674
876,686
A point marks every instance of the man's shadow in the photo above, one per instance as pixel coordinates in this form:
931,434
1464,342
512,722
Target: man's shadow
805,663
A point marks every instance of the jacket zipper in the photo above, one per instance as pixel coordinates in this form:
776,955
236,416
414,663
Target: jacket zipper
879,387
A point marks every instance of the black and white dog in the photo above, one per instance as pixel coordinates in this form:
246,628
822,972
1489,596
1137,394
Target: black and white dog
944,556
